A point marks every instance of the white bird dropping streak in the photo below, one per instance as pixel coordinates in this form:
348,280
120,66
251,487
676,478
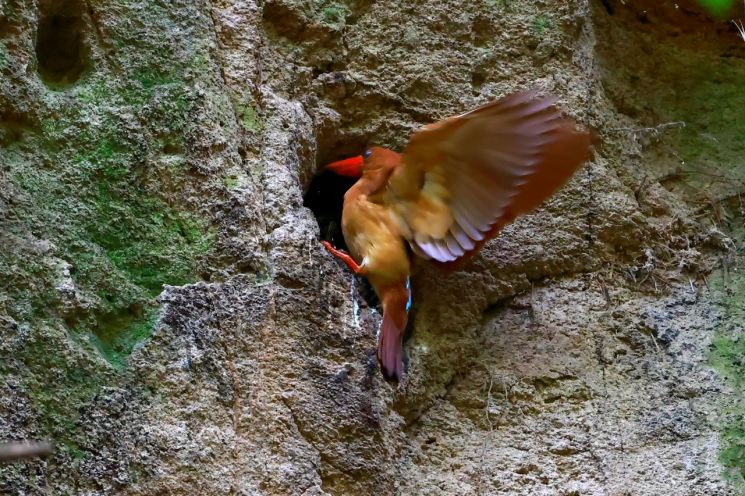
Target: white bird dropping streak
355,305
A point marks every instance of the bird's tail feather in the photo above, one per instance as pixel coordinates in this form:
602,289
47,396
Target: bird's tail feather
396,302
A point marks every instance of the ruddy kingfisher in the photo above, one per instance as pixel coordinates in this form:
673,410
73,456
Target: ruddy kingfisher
456,184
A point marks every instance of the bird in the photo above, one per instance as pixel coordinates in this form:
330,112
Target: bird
456,184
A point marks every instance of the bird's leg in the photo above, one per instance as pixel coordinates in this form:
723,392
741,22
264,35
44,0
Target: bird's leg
344,257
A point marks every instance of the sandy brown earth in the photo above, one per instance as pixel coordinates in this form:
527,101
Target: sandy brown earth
170,320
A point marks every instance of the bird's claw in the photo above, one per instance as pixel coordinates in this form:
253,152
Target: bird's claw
343,256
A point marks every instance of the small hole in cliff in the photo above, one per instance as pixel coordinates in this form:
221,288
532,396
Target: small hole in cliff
286,21
608,7
170,148
325,198
325,194
13,126
60,45
478,78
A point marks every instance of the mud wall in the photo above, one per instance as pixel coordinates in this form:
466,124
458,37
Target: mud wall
169,318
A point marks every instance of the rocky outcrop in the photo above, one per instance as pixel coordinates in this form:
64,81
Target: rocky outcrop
169,319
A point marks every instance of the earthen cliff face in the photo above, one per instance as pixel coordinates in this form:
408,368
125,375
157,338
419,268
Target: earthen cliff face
170,320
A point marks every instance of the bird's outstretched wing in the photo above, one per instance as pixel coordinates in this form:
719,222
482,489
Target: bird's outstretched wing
464,178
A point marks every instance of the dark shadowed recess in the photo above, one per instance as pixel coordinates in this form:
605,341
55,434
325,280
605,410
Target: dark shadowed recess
61,50
325,198
325,194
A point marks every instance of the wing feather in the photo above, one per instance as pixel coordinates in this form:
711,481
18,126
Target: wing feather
461,237
463,178
465,224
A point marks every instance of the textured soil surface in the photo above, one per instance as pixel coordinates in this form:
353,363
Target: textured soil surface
169,319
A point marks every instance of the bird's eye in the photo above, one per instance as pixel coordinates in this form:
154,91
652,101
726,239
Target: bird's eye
366,154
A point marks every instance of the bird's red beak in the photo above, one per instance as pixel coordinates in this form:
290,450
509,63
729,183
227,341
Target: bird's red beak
350,167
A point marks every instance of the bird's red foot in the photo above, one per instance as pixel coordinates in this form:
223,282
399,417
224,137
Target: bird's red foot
344,257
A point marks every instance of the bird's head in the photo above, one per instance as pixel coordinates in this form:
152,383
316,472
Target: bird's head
372,160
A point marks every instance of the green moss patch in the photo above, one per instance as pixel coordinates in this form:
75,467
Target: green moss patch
60,381
249,118
97,212
90,191
695,96
334,13
117,335
541,23
718,7
727,356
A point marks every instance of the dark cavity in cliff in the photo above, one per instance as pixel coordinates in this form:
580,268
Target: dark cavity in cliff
61,52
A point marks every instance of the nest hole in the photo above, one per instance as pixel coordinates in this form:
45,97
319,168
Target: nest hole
61,50
325,193
325,198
